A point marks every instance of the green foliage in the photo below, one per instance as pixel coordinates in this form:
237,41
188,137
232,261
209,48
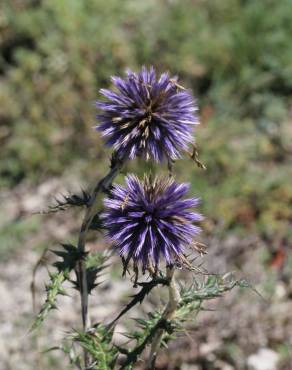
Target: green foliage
214,286
143,337
14,235
190,305
69,254
98,343
53,289
245,181
95,265
235,55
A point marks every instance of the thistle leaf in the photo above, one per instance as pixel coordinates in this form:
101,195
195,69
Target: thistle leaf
70,200
98,343
70,256
96,223
53,289
95,264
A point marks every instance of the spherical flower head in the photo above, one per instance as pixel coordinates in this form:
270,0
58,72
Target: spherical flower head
149,221
147,116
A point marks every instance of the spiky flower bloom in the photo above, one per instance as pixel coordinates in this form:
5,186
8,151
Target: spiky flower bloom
147,116
150,220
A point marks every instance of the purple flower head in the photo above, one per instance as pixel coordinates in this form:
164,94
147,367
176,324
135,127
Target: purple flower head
150,220
147,116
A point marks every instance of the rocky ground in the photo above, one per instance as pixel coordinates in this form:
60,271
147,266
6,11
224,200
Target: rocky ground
241,330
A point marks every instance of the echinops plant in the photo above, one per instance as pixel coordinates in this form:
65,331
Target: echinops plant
150,222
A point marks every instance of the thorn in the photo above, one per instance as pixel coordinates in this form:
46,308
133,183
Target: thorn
194,155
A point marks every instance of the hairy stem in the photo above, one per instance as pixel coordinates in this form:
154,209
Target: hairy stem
168,314
103,185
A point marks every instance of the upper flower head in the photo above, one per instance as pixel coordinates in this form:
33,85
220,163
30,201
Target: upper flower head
150,220
147,116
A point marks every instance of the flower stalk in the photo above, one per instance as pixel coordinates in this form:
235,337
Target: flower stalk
102,185
168,314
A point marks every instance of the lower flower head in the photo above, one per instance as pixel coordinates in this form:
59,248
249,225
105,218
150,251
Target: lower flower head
150,220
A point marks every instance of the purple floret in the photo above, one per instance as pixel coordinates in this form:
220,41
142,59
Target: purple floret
147,116
148,221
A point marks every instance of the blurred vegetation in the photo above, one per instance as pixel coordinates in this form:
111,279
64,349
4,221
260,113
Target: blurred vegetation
235,55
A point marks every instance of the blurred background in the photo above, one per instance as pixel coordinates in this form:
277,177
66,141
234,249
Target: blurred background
236,56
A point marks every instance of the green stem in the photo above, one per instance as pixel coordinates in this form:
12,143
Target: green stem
103,185
168,314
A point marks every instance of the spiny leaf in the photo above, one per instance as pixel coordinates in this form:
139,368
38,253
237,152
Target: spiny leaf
95,264
92,274
96,223
53,289
213,287
190,304
149,328
70,200
70,256
97,342
193,296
